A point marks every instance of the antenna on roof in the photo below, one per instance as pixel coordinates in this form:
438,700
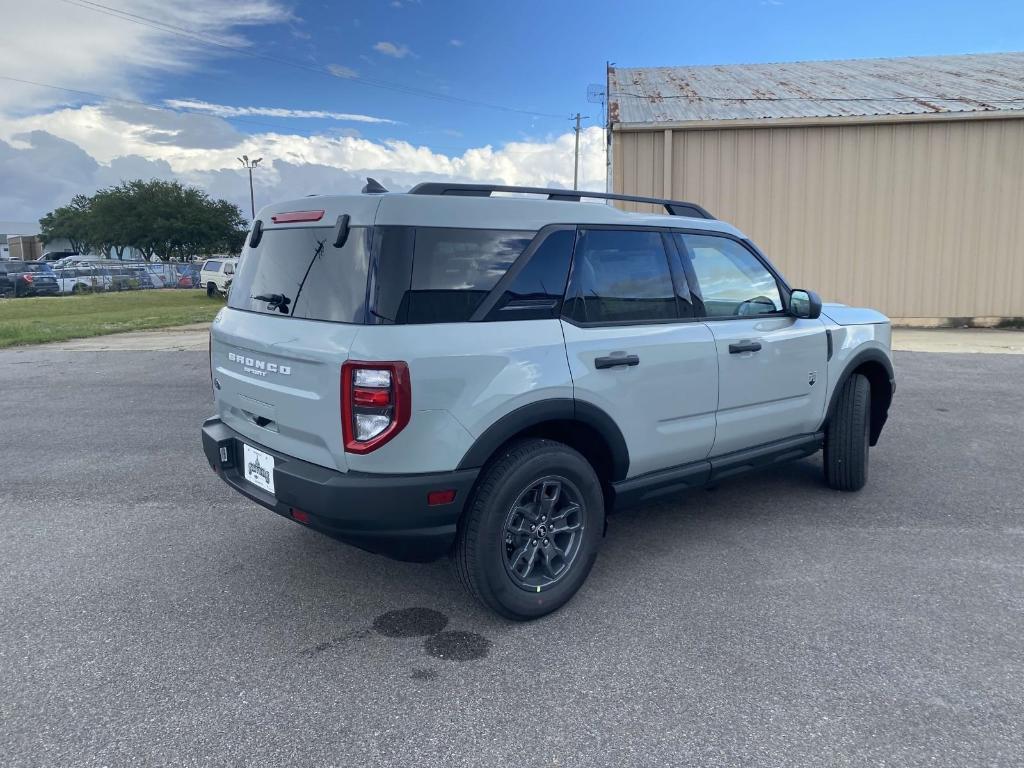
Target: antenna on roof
373,187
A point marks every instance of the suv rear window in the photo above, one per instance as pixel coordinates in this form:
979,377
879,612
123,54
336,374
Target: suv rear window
301,265
211,266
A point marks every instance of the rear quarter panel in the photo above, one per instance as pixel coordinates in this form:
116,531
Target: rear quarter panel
465,376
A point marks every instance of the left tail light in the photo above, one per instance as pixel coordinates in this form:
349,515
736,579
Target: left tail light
28,277
376,402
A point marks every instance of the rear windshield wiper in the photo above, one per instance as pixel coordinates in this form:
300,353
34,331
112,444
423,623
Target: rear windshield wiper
275,301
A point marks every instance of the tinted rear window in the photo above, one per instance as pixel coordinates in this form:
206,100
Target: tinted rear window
453,270
319,281
212,266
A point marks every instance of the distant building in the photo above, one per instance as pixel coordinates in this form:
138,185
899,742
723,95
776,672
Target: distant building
10,229
892,183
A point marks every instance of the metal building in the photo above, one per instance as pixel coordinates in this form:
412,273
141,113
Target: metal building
894,183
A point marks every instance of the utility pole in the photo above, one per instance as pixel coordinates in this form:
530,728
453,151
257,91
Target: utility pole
249,165
576,161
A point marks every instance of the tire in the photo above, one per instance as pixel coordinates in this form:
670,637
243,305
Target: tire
78,289
507,497
211,290
847,436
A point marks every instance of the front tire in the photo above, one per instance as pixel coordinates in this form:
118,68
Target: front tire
847,437
532,530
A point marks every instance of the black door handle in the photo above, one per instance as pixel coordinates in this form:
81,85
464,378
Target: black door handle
613,361
744,346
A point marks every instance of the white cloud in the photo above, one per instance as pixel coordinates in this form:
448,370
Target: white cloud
224,110
396,50
86,148
78,48
456,43
340,71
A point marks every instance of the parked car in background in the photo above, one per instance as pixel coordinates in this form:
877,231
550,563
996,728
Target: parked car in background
216,273
70,261
27,278
52,256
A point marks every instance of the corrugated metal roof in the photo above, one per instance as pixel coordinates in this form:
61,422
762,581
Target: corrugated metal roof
854,87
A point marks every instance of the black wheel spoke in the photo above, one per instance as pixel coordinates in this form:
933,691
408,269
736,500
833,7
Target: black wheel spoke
550,493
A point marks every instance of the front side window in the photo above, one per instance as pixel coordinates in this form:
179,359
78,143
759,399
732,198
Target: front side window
732,282
620,276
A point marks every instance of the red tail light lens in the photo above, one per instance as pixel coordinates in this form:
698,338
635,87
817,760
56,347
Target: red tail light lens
376,402
28,277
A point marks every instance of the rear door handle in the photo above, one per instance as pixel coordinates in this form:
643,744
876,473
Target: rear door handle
615,360
744,346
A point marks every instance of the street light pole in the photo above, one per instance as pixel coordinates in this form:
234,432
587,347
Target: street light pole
249,165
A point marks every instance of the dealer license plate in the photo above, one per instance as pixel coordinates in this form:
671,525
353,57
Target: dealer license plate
259,468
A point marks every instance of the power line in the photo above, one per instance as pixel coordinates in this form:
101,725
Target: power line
161,26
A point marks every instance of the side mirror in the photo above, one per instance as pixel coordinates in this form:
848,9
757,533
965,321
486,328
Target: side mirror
805,304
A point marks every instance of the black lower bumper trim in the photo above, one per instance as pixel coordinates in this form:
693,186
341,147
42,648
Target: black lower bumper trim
386,514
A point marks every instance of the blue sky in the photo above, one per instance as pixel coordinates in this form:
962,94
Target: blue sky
534,57
540,56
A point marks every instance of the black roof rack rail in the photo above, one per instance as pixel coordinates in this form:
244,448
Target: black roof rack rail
673,207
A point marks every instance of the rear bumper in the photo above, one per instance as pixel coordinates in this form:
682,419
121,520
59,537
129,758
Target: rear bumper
386,514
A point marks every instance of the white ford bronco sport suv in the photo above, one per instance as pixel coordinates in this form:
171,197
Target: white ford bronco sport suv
454,370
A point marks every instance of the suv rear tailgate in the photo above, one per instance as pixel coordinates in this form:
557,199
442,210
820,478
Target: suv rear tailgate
277,381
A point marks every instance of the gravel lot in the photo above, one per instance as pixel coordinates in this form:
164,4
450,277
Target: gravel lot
148,615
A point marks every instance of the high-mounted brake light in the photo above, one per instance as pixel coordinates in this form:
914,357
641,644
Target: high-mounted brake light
292,216
376,402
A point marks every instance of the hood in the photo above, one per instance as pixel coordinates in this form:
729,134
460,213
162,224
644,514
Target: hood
840,314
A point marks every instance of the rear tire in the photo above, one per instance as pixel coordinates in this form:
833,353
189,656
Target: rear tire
847,437
523,572
211,290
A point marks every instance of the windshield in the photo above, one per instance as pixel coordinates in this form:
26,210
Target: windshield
299,273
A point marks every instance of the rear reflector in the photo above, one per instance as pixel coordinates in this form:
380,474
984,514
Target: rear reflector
300,516
437,498
291,216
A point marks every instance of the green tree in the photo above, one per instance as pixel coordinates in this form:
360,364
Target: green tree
165,219
69,222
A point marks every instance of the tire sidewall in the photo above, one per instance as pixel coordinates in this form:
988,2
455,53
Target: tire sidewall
557,460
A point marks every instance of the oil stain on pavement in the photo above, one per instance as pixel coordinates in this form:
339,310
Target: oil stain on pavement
430,624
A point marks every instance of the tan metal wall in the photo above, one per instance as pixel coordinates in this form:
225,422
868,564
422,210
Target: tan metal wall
919,220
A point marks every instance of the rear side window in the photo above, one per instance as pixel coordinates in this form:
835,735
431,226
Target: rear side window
620,276
453,270
535,292
301,272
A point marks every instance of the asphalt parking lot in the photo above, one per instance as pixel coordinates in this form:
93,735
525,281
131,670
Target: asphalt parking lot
148,615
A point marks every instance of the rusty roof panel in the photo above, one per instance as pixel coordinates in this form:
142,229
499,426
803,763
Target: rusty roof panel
855,87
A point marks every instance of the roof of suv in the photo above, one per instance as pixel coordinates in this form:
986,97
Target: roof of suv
474,212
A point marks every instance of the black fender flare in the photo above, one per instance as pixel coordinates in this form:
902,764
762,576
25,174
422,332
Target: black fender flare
880,410
555,409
